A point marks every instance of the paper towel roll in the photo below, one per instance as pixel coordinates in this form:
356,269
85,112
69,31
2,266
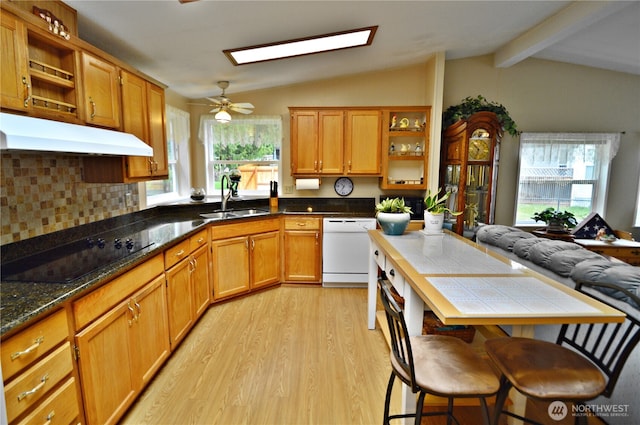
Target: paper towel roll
307,184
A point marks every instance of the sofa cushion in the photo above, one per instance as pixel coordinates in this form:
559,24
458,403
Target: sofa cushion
563,262
605,271
541,252
492,233
507,240
521,247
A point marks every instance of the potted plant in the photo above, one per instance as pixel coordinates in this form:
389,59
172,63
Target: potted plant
557,221
435,207
393,216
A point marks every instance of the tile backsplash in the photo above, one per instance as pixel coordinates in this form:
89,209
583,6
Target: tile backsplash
42,193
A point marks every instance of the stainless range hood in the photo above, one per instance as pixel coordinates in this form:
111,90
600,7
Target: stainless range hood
20,133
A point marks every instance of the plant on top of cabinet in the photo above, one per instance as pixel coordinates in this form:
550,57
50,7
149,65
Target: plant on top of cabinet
471,105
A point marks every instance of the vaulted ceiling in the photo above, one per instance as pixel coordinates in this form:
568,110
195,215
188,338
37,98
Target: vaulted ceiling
181,44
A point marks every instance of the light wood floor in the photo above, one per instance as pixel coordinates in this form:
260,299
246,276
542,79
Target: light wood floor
288,355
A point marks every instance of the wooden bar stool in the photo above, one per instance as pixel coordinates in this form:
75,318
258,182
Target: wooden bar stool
441,365
584,363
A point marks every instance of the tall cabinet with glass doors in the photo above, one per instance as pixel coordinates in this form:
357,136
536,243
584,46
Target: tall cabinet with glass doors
469,169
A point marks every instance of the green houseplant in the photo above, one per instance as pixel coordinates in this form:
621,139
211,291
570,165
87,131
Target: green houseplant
393,216
435,207
557,221
471,105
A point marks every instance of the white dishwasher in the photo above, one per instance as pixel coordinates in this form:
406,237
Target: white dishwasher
345,251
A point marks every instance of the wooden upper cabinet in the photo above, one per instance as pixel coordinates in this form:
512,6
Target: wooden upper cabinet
101,92
335,141
304,142
15,82
135,120
317,142
362,142
157,130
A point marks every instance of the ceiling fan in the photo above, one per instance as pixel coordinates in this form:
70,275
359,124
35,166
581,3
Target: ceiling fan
223,103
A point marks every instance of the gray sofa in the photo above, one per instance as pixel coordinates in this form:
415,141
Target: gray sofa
567,262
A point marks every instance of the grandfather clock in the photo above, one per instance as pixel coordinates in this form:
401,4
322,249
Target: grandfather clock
469,169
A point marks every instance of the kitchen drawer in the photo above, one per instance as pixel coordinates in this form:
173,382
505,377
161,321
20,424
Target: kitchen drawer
176,253
30,387
379,256
198,240
33,342
60,408
302,223
395,277
244,227
103,299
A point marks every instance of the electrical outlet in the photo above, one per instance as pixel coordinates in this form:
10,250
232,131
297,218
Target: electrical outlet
128,200
288,189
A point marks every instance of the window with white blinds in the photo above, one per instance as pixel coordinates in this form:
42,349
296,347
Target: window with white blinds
565,171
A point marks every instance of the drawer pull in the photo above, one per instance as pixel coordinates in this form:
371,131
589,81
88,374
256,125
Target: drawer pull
376,253
302,224
28,350
392,273
200,240
50,418
133,314
33,390
180,253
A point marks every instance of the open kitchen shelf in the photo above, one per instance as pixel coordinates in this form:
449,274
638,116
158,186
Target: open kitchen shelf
405,147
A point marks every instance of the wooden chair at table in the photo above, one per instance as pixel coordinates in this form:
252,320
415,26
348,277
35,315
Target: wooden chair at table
440,365
584,363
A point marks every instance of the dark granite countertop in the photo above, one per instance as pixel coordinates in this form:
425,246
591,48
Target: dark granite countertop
23,302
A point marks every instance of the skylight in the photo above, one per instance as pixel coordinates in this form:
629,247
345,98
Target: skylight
302,46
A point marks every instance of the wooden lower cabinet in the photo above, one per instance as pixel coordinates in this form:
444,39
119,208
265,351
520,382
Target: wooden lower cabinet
121,350
303,249
40,383
188,290
245,256
230,267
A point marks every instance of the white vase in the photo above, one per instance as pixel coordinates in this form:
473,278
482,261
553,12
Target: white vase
433,222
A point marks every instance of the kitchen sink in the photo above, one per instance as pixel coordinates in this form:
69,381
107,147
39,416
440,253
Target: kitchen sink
221,215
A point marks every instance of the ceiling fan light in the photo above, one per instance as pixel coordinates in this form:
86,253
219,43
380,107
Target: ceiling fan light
222,116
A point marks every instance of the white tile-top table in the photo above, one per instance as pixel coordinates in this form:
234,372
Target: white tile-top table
466,284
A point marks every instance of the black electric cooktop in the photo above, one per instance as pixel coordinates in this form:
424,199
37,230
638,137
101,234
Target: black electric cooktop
66,263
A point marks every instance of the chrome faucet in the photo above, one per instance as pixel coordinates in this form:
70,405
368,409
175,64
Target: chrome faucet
224,198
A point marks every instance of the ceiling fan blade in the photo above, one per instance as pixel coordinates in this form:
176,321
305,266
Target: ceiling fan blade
240,110
244,105
215,109
215,100
199,104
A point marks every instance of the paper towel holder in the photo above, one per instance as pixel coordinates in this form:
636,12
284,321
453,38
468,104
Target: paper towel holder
309,183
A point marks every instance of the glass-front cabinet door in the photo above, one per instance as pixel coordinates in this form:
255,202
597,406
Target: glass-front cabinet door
469,169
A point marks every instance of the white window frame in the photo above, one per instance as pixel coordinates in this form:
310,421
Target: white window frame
552,165
178,131
271,166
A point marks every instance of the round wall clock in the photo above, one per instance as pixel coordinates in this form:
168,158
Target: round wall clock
343,186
